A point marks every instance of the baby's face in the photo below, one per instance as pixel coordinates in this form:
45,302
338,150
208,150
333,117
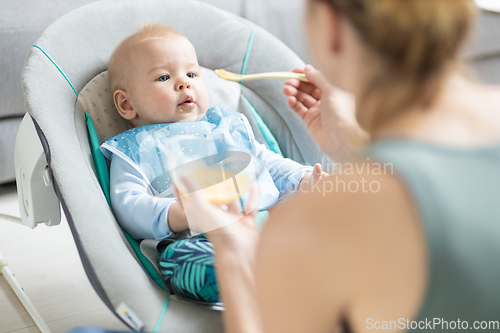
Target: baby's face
165,83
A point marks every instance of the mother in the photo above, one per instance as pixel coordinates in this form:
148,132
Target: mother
421,244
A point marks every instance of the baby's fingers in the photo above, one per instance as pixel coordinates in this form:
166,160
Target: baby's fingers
317,169
317,174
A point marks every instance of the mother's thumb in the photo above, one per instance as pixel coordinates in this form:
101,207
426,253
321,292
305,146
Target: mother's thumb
317,78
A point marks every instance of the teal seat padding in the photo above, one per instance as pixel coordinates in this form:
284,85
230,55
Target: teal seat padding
261,218
101,168
268,136
102,172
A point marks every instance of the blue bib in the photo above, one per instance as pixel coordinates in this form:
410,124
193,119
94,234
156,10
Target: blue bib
144,149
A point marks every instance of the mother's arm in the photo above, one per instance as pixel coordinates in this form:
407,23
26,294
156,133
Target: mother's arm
234,237
322,258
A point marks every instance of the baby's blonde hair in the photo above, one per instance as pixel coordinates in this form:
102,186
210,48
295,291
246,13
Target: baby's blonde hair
120,57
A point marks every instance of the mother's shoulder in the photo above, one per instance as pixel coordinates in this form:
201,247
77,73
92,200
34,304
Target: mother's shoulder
355,245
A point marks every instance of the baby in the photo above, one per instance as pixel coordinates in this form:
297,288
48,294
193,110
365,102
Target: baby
158,88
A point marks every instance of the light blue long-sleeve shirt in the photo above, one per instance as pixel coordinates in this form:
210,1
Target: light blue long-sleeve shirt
142,209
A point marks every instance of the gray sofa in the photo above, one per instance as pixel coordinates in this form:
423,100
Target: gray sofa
22,22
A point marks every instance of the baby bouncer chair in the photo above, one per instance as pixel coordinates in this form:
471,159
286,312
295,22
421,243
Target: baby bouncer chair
67,97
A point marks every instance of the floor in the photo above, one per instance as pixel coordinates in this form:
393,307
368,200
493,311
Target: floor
46,264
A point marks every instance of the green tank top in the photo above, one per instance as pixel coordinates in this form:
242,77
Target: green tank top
457,195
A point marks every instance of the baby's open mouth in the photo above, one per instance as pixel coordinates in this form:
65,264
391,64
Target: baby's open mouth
188,103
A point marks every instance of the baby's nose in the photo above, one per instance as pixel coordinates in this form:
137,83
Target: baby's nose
183,85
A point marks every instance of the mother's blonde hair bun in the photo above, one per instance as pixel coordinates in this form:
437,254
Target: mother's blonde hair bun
416,41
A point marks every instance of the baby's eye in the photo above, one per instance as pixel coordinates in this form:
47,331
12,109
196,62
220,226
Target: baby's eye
191,75
163,78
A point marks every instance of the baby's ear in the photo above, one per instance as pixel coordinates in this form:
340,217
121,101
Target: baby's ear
122,104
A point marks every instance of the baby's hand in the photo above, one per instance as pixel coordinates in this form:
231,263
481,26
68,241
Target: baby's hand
311,179
177,220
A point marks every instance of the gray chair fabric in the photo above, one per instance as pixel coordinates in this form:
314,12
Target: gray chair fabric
80,43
